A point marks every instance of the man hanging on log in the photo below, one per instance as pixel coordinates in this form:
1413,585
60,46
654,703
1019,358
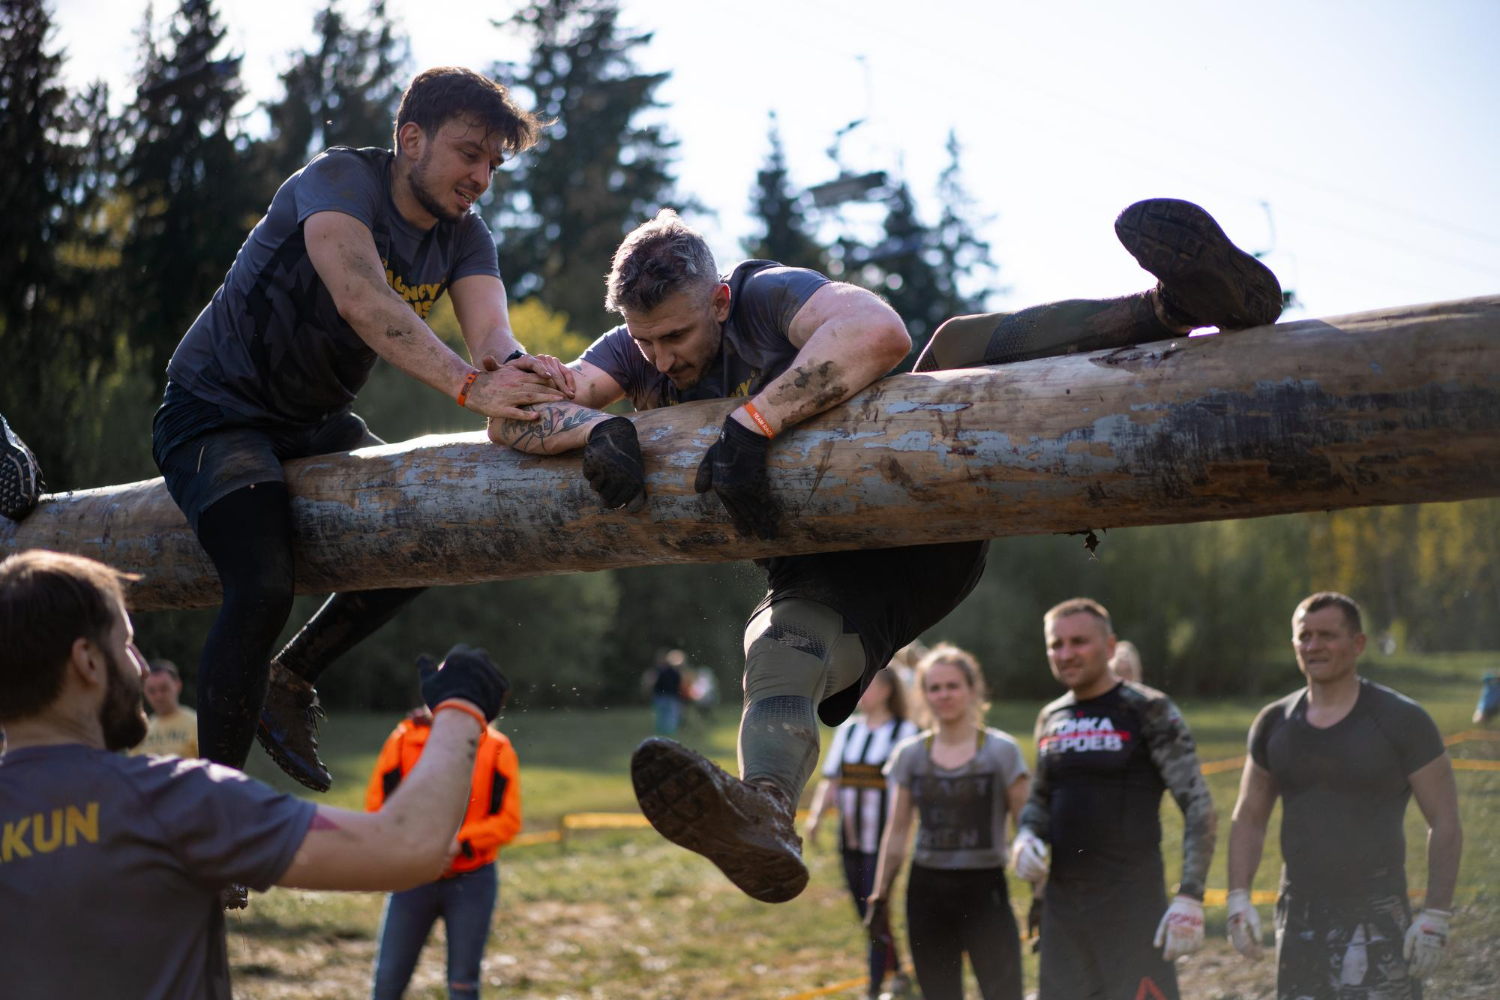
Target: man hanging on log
792,343
352,253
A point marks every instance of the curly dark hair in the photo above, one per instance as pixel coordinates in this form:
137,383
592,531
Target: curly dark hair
438,94
656,260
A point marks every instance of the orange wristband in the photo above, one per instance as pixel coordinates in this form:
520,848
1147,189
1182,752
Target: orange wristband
463,394
466,709
760,421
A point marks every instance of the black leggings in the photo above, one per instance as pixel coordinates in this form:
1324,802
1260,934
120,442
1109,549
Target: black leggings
248,535
952,911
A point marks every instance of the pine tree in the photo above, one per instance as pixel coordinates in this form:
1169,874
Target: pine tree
190,176
56,327
343,92
598,172
926,271
787,237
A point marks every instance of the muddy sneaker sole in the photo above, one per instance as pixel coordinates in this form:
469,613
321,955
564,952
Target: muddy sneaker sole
1204,277
687,798
309,774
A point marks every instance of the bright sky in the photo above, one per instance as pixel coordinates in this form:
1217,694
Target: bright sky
1355,140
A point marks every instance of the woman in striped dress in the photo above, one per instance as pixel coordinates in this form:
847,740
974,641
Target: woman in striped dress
853,784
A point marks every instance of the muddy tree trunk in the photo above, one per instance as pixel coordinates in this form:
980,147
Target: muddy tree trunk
1387,407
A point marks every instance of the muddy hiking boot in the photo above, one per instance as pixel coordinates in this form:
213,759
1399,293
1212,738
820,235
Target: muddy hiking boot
21,483
1203,279
289,728
749,831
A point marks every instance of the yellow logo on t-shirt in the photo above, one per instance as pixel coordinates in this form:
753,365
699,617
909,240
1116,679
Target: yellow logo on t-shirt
419,297
43,833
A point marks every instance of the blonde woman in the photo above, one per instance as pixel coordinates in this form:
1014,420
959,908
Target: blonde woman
964,780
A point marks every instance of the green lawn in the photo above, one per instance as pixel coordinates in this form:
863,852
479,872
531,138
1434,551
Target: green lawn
623,914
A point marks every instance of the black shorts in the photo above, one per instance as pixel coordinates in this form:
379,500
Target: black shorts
206,451
1097,942
1341,946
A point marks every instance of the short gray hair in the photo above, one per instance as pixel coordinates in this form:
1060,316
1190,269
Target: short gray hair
658,259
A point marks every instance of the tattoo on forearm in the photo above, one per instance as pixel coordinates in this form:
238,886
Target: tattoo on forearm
394,333
555,419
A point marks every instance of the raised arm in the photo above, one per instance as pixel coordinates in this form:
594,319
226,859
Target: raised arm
410,840
343,253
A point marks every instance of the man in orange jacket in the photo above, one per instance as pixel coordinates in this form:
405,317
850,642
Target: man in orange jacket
464,896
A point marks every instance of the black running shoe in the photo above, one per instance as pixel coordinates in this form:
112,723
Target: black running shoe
1204,280
747,830
289,728
21,483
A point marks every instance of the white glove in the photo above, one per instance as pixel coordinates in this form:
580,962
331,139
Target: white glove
1244,925
1028,856
1181,928
1426,940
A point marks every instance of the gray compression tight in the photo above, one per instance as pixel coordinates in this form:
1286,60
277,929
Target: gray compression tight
796,654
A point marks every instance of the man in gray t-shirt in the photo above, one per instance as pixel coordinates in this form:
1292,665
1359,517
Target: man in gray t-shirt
352,253
111,866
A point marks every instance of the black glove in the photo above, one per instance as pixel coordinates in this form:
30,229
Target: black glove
465,673
735,469
878,920
612,463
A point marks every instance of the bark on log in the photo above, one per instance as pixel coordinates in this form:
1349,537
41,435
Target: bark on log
1395,406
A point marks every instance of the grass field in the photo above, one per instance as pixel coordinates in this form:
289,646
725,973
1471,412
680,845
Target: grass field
623,914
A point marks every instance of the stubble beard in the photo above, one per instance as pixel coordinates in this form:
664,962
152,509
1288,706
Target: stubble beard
122,716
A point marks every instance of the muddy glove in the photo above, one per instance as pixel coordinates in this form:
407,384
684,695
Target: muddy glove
735,469
465,673
1244,924
1426,941
1028,856
613,465
1181,929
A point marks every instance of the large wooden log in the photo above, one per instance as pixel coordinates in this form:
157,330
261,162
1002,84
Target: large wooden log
1394,406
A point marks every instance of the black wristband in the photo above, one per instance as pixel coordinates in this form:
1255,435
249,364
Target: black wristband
518,353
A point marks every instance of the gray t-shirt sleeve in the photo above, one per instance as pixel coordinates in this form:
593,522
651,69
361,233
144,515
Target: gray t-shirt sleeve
222,825
475,250
1416,737
337,181
1012,763
615,354
771,298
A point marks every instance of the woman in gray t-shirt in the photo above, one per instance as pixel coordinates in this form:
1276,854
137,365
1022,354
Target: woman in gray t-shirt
963,780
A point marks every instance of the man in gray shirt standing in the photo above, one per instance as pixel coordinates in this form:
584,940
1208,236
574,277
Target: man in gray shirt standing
111,866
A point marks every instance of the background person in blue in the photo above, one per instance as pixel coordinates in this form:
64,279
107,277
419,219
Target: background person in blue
350,256
792,344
